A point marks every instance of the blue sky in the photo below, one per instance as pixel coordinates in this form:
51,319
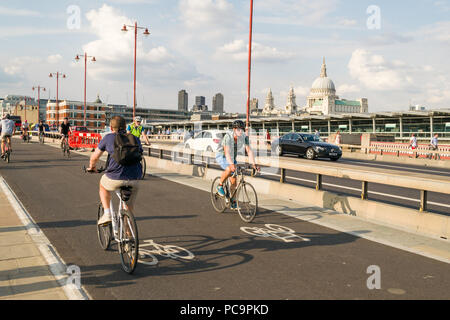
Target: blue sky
201,46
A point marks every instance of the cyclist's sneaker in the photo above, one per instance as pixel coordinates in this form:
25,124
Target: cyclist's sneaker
3,155
233,204
105,219
220,191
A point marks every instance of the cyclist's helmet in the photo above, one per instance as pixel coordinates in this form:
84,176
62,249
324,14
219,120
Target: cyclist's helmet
239,124
7,116
65,118
138,119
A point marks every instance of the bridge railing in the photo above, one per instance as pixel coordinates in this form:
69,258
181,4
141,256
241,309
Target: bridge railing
420,182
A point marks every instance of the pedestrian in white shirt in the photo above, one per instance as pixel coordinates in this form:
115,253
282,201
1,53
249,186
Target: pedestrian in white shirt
338,138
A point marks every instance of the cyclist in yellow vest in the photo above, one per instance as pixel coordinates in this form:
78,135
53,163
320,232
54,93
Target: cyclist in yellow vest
136,129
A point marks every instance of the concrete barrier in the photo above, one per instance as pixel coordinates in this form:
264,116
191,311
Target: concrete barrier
423,223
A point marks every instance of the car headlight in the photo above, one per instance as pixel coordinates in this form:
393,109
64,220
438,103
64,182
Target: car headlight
320,149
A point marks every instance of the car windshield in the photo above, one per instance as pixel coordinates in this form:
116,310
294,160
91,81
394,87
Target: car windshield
311,137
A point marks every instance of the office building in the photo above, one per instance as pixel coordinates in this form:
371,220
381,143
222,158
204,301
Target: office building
182,100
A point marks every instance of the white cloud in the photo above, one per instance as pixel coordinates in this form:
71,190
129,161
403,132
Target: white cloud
347,88
375,73
55,58
305,11
347,22
4,11
238,51
208,18
114,50
439,31
17,65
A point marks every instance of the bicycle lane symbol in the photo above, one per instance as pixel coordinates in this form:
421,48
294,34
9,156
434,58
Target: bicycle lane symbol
275,231
167,251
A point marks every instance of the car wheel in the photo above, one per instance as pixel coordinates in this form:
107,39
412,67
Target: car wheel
310,154
279,150
209,149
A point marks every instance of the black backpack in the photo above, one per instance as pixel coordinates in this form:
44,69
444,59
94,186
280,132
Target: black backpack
126,149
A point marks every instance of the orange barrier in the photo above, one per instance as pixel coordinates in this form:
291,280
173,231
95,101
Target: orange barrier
84,140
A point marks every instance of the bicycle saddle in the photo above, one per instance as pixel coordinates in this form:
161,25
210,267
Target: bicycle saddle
125,192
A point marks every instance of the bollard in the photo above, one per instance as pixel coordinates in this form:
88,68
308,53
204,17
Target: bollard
318,182
160,153
149,152
364,190
423,200
283,175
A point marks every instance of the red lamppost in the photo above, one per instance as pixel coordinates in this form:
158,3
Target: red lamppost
57,74
39,95
77,58
146,33
249,64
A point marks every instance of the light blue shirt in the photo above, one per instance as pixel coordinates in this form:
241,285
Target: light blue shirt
434,141
7,126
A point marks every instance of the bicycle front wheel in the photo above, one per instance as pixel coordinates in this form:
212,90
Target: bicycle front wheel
103,232
129,242
247,202
217,200
144,168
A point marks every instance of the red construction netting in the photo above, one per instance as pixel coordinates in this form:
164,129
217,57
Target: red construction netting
84,140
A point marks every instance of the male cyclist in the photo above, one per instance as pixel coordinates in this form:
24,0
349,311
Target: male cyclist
137,130
116,174
41,128
8,128
233,143
64,130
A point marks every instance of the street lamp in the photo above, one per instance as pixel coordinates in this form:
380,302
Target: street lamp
145,33
249,65
57,74
39,94
77,58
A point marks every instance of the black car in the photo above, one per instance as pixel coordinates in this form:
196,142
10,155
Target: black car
308,145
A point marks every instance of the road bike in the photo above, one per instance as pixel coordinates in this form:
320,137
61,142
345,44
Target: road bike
122,229
65,147
7,155
144,167
26,137
244,194
41,137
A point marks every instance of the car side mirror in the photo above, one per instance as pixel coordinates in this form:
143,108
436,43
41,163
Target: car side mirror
300,140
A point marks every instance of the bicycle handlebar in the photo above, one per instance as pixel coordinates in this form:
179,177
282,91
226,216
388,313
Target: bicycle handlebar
241,168
99,170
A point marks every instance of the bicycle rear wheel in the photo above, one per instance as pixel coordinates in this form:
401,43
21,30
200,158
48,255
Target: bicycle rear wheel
103,232
129,244
247,202
144,168
218,201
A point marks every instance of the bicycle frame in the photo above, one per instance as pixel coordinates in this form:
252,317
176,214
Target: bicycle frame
239,174
117,226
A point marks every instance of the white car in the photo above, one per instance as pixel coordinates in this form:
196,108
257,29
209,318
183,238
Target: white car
206,140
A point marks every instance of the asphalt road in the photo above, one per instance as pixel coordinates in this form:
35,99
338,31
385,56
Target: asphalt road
227,263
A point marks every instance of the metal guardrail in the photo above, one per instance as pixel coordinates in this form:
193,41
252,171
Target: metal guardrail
416,181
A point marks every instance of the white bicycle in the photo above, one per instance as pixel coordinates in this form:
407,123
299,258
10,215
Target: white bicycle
122,229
